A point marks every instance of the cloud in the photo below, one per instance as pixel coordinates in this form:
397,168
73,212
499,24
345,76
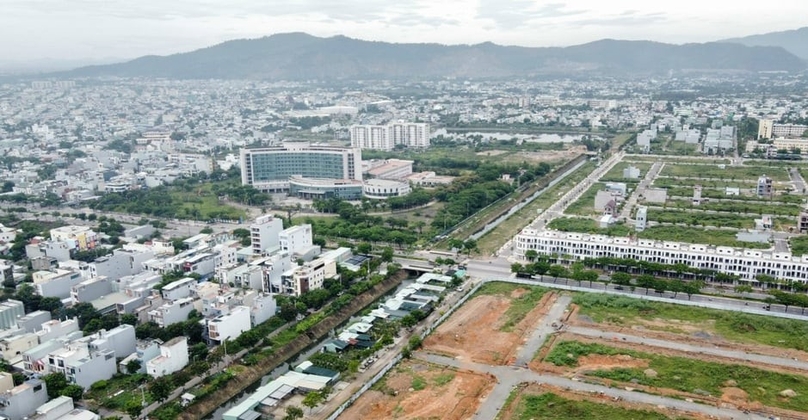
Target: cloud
623,19
519,13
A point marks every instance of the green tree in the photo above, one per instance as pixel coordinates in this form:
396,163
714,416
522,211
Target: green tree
470,246
293,413
621,279
133,407
55,382
647,281
161,388
312,399
743,289
73,391
364,248
531,255
133,366
387,254
557,271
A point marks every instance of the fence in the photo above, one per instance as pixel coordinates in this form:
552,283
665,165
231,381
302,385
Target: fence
364,388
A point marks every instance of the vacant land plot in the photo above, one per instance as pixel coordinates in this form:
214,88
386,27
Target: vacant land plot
542,402
673,159
715,237
725,173
666,182
747,194
585,204
695,323
616,173
577,224
778,209
494,239
700,218
745,385
417,390
490,326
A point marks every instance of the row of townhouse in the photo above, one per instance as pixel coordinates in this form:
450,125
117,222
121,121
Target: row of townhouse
744,263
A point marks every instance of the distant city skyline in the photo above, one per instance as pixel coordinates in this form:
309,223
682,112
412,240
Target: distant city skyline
92,30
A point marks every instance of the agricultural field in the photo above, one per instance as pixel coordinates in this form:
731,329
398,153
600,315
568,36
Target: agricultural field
415,389
489,327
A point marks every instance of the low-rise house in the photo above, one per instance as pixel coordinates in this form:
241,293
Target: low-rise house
173,357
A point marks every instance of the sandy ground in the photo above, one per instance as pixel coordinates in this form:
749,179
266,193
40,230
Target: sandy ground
509,412
473,332
455,399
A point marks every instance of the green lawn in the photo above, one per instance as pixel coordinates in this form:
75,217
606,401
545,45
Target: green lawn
696,235
689,375
664,182
726,173
552,406
194,205
733,326
519,306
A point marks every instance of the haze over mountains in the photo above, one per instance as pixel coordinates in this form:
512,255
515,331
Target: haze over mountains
296,56
794,41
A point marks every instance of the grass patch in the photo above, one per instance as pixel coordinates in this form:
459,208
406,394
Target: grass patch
698,218
203,205
799,245
726,173
688,375
616,173
715,237
493,240
663,182
721,194
552,406
778,209
444,378
575,224
116,392
519,306
734,326
418,383
585,204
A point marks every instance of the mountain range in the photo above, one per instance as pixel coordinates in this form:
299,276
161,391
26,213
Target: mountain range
794,41
299,56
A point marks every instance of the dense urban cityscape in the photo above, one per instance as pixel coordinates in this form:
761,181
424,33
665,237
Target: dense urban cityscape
581,245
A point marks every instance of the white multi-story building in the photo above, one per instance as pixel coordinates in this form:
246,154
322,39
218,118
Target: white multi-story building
57,283
22,401
765,128
79,237
296,238
309,276
788,130
744,263
265,233
382,189
172,312
178,289
10,311
641,218
229,326
387,137
173,357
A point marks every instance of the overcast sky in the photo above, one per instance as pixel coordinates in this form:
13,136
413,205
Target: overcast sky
94,29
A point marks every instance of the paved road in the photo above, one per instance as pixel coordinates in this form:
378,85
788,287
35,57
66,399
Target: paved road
545,328
509,377
798,180
713,351
625,214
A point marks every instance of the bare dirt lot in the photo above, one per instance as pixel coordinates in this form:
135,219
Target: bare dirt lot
475,332
417,390
551,155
